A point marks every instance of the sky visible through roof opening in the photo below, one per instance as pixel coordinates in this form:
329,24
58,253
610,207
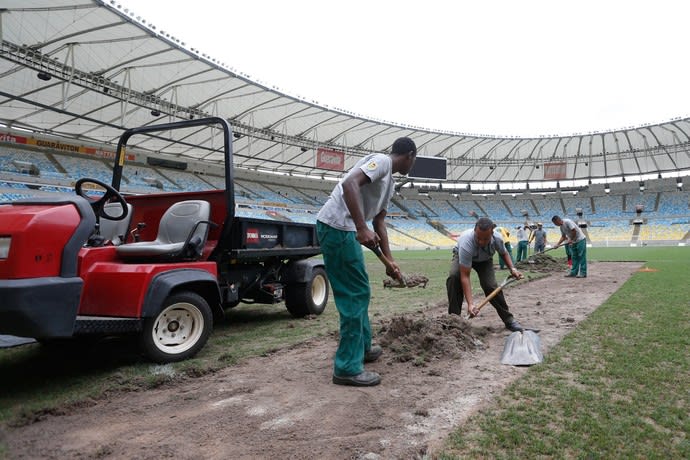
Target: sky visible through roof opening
494,68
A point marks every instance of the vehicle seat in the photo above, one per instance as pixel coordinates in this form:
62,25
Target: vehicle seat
115,230
182,234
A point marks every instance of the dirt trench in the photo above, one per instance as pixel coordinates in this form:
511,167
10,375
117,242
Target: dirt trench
436,371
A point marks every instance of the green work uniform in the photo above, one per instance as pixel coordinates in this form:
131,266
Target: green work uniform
344,260
347,274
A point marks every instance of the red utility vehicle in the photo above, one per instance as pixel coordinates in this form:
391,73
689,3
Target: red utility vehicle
163,266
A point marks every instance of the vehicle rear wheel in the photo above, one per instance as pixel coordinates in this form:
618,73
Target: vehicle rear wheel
180,330
310,298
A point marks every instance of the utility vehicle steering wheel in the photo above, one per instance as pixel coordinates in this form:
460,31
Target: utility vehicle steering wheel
98,203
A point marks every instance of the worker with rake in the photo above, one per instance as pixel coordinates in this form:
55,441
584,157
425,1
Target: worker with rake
475,250
363,195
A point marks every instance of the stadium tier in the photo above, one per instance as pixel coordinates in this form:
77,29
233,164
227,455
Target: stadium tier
495,208
427,220
518,205
572,204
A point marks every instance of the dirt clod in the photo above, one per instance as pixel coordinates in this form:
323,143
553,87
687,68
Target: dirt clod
422,339
411,280
542,263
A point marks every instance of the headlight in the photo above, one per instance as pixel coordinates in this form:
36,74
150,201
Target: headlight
5,242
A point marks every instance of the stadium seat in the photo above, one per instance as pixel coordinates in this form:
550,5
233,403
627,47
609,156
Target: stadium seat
182,234
115,231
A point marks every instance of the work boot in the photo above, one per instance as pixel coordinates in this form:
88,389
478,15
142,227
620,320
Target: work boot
514,326
373,354
363,379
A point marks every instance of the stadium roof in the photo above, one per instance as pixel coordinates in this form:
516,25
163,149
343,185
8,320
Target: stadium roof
87,69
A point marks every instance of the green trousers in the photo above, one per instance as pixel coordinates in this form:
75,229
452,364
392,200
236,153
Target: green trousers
522,250
344,260
579,253
509,248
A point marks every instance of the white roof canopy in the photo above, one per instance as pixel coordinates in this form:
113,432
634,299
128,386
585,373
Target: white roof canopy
87,70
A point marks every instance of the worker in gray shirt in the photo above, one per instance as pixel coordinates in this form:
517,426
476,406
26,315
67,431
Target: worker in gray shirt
577,241
475,250
362,196
539,238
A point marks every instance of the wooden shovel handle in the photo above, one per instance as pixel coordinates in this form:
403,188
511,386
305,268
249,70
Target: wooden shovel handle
386,262
494,293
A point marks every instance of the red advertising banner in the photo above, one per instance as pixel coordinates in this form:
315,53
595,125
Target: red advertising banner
57,145
555,171
12,139
330,159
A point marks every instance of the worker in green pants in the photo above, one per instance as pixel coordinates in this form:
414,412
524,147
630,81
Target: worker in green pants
349,280
577,241
363,195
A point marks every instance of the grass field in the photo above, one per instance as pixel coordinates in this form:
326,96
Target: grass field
617,387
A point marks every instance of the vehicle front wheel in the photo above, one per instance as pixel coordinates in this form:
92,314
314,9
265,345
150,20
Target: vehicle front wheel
310,298
180,330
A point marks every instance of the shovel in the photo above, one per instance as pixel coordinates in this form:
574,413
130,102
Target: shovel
522,348
494,293
388,264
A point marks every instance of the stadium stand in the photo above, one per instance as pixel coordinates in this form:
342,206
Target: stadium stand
571,204
415,208
445,212
648,200
494,208
78,167
29,163
218,182
186,181
428,220
608,206
517,205
144,178
547,207
675,203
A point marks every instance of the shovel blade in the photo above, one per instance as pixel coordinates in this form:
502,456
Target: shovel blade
522,348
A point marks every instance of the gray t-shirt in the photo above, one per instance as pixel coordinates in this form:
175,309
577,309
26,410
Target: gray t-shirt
567,228
539,236
469,251
374,197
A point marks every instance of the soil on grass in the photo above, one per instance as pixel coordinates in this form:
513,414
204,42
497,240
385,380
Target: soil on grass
436,371
541,262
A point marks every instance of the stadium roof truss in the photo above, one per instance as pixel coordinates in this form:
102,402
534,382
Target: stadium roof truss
87,70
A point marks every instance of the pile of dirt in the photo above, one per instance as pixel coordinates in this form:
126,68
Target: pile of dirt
543,263
410,280
424,339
